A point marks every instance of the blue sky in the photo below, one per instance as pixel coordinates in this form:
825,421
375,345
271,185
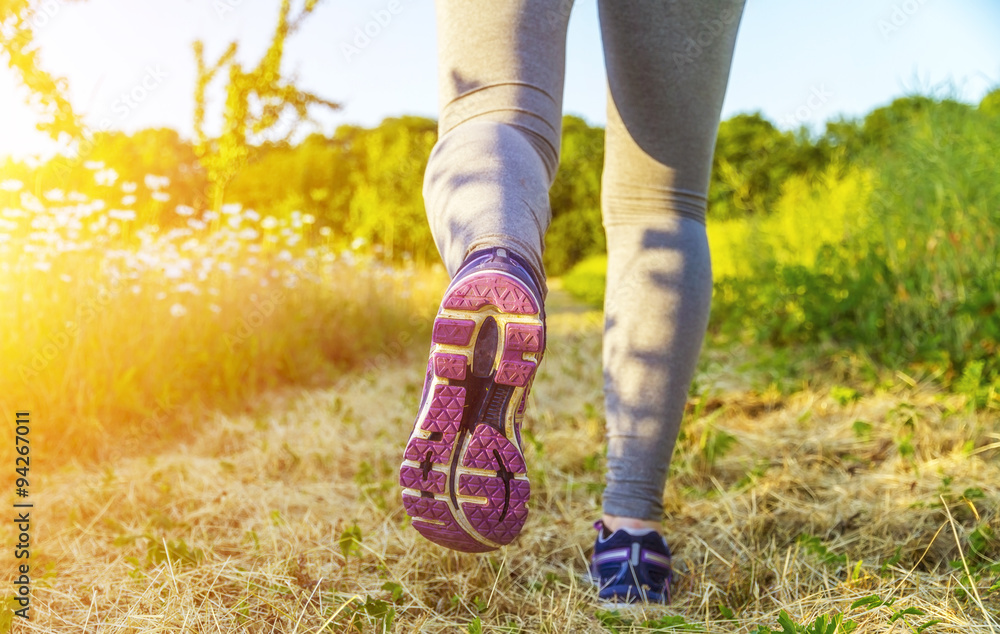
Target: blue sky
796,61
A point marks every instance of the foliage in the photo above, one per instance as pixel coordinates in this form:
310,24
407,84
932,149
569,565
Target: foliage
587,279
894,251
256,103
990,104
813,545
576,231
385,179
752,158
46,92
824,624
612,620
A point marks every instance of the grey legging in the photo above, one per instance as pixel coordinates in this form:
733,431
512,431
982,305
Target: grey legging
501,68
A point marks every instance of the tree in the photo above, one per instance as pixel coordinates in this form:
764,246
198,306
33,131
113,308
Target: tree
752,158
990,105
576,230
387,166
46,92
312,177
157,152
257,102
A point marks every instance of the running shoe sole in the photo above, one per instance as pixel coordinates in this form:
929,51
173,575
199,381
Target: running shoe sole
464,480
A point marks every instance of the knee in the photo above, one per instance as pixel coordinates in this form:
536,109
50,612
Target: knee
650,204
483,145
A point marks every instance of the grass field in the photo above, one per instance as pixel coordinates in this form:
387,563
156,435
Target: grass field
803,489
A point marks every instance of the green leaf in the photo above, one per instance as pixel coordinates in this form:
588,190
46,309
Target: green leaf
787,624
844,395
476,626
394,589
872,601
612,619
350,541
901,614
892,561
862,429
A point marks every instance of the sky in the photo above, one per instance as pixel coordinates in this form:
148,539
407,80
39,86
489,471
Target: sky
796,61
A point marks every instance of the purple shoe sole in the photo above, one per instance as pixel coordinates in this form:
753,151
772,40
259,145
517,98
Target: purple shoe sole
464,479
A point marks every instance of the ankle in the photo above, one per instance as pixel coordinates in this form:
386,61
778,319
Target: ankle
615,522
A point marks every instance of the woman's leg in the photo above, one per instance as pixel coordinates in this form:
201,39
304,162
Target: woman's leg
464,480
668,65
500,71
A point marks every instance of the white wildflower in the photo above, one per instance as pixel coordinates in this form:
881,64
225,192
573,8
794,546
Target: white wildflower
106,177
178,310
122,214
155,182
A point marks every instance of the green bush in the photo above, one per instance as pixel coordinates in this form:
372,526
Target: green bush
895,251
587,279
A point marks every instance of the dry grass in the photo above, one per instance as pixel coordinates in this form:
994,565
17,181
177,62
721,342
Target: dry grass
240,529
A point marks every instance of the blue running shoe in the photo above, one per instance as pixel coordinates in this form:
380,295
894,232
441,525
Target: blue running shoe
631,565
465,484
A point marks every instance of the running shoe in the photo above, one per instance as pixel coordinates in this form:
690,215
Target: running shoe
631,565
463,475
